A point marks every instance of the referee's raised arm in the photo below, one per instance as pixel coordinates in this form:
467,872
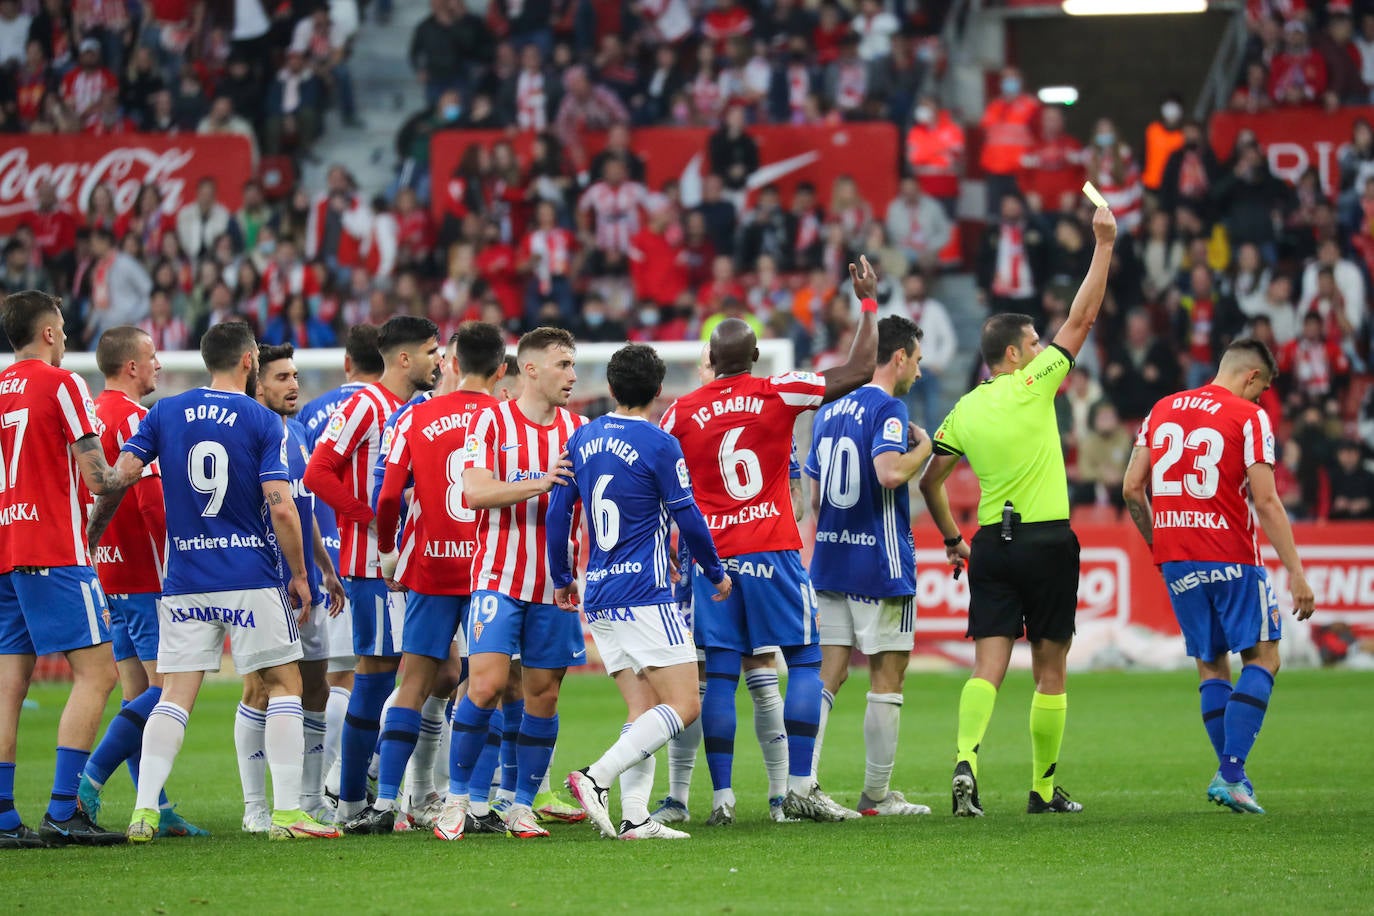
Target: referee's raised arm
1088,302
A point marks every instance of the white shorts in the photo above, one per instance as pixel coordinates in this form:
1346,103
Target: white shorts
647,636
339,638
315,635
870,625
396,615
460,642
260,625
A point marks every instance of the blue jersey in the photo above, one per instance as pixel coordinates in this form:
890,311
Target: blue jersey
630,476
217,448
863,530
297,456
314,416
379,469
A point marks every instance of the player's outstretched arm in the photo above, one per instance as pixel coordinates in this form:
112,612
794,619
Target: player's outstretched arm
863,353
937,501
1273,518
691,525
115,483
389,513
1133,491
329,577
559,533
1083,311
482,490
895,469
286,522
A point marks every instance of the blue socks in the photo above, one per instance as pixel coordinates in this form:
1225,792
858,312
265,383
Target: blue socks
123,739
1244,716
514,714
533,752
361,727
398,743
801,709
1215,693
479,784
9,818
70,763
718,715
470,726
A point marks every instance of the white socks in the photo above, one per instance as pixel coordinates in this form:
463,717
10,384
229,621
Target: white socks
420,769
284,741
162,737
249,729
635,785
769,726
882,722
334,711
312,775
438,776
642,739
827,704
682,756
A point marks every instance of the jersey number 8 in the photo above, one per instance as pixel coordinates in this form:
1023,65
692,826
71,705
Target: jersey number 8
1206,446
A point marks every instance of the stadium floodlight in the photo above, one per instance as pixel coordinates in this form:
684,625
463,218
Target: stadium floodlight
1132,7
1058,95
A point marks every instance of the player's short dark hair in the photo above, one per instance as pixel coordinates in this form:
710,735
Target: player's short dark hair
1002,331
22,312
224,345
543,338
117,347
361,347
635,374
1257,350
402,330
897,332
270,353
481,349
512,366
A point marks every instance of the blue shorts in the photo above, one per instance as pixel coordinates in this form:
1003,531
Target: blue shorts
53,610
1222,607
772,604
371,621
431,622
133,626
541,634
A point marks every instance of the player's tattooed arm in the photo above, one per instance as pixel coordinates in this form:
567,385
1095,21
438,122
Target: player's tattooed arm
1133,490
97,474
104,510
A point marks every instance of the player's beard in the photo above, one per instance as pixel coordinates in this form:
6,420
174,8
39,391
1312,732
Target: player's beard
250,386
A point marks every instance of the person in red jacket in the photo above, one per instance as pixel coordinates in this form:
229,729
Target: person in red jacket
935,150
84,86
54,229
495,263
1008,133
658,267
1298,74
1052,168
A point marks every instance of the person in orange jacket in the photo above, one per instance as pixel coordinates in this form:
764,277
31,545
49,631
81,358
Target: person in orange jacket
1008,132
935,151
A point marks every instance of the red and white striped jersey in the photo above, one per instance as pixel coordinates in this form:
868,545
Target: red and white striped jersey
131,557
354,436
1202,444
282,283
43,410
736,435
441,531
616,211
511,547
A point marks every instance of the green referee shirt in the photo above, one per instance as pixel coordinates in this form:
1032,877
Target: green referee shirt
1006,428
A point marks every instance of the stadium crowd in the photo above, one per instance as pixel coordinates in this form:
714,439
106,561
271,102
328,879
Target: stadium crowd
1211,248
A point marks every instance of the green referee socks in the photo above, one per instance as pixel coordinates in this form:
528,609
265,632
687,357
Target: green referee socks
1047,715
975,712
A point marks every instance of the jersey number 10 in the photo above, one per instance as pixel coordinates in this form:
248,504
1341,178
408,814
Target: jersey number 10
1204,445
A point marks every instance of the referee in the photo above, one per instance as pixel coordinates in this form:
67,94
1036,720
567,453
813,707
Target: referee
1023,562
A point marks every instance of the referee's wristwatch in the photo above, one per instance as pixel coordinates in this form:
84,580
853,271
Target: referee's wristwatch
953,542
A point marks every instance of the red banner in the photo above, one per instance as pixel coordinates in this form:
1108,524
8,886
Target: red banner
77,164
1294,139
787,155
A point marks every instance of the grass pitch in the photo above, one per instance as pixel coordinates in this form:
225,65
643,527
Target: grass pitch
1135,754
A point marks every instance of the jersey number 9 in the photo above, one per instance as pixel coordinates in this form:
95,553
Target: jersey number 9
208,470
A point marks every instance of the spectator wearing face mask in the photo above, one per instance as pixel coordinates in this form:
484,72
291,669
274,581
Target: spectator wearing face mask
1112,167
935,151
1007,134
1162,138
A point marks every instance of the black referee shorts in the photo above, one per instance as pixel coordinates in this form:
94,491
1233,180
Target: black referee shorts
1026,586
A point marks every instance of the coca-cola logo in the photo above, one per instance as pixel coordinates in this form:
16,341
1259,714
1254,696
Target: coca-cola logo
124,171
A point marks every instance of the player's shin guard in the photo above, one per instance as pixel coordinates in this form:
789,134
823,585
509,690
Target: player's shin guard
762,684
479,786
361,727
66,778
470,725
533,752
312,773
334,711
1047,715
9,817
1214,694
682,755
827,704
882,722
510,741
162,737
976,703
718,715
1244,717
249,744
802,713
123,738
399,736
284,741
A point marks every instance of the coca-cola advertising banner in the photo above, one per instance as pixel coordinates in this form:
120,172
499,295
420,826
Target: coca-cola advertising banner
76,165
1294,139
787,155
